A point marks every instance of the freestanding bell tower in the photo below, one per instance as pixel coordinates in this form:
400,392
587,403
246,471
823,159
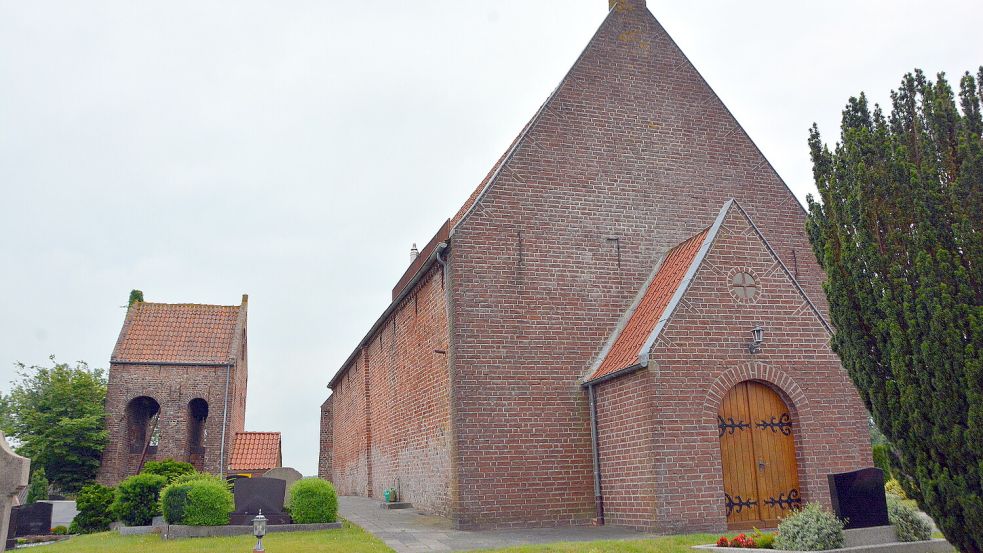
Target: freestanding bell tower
177,387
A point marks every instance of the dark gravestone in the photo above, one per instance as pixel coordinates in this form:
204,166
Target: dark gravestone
255,494
859,498
33,520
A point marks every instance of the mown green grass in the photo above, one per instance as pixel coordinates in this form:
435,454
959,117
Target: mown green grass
351,538
666,544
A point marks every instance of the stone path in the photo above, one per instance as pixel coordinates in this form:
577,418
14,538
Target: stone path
407,531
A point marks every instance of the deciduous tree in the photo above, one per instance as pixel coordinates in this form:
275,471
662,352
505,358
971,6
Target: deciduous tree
57,417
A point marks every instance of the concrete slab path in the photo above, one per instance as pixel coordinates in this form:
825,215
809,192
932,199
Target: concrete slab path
408,531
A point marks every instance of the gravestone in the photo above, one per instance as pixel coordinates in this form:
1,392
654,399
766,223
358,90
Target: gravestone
859,497
14,472
32,520
255,494
288,475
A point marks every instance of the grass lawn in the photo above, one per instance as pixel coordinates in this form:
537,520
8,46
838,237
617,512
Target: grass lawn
351,538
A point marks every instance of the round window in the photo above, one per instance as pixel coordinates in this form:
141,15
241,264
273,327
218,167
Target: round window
744,287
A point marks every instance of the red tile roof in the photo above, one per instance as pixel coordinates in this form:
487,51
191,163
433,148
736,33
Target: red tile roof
255,451
180,333
641,323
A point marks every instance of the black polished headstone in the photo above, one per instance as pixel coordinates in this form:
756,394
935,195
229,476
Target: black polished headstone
255,494
859,498
32,520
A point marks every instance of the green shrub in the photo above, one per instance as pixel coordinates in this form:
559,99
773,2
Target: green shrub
173,499
893,487
882,458
810,529
763,540
195,476
168,468
136,501
38,488
910,526
209,504
312,501
94,503
60,530
197,500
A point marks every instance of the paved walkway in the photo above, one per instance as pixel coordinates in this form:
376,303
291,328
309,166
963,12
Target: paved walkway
408,531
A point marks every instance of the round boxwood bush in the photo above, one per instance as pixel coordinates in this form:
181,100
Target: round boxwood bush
209,504
313,501
136,501
94,503
810,529
197,499
168,468
906,520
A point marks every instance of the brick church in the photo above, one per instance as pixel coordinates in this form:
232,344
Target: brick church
623,324
177,390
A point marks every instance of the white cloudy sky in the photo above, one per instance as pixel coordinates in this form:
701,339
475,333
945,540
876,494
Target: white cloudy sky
294,150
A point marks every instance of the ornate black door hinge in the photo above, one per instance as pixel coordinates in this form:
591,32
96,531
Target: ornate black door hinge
782,424
729,425
738,503
783,503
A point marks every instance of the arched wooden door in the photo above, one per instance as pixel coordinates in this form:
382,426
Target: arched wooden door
757,448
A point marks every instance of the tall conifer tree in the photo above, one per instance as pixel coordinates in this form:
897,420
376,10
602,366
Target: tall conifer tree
899,233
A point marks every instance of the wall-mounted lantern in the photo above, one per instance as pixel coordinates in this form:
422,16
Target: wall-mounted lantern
757,338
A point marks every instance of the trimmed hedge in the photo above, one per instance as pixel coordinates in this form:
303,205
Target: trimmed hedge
313,501
94,503
810,529
197,499
168,468
136,501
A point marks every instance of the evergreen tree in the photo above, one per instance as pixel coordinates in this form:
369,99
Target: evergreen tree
899,232
37,490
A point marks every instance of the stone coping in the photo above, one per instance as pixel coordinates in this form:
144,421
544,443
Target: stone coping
176,531
928,546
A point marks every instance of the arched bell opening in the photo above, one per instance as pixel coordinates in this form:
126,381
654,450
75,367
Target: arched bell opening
197,415
142,433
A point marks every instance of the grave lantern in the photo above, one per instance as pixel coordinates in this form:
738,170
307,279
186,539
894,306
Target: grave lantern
259,530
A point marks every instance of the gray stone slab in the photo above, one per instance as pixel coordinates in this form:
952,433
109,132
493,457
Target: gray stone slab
930,546
396,505
176,531
62,512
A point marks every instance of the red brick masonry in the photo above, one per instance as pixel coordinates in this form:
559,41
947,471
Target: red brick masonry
468,388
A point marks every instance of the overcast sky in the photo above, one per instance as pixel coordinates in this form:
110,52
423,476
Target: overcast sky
294,150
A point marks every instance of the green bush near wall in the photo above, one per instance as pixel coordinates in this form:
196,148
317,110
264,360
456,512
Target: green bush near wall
313,501
136,501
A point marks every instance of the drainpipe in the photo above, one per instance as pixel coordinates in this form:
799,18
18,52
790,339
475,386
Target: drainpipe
598,497
225,421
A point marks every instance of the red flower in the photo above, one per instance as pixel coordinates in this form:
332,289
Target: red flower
722,542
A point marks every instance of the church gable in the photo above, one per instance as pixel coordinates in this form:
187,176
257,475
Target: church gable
630,345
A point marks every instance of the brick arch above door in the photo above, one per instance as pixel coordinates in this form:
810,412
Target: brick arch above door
786,387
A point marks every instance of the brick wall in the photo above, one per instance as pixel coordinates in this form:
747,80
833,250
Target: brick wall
390,422
324,467
701,354
173,387
631,155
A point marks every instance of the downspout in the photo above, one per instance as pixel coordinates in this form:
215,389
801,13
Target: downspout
225,421
598,497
